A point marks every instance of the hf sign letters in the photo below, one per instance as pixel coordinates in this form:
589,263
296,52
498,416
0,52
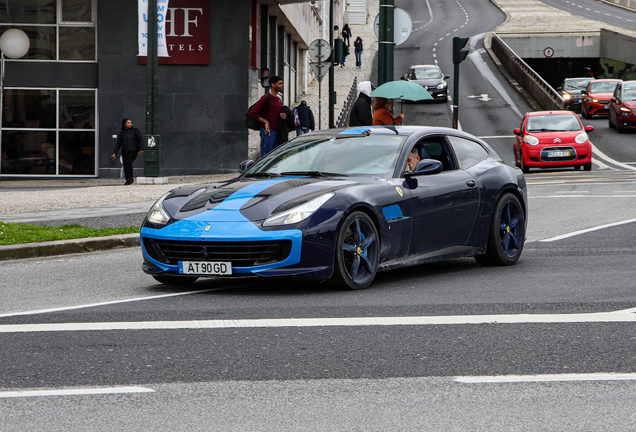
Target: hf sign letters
187,32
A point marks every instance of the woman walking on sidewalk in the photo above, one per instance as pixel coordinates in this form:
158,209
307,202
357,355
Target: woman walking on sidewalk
358,51
130,141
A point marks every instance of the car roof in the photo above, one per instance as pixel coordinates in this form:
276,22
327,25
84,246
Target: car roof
424,67
580,78
537,113
607,80
385,130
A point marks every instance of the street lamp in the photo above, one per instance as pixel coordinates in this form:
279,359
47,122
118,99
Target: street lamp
14,43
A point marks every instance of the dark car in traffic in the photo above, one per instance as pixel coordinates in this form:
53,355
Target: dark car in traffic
340,205
431,78
571,89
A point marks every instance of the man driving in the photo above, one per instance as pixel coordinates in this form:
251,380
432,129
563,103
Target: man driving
413,160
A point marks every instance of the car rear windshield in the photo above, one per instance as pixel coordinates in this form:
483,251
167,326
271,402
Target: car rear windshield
600,87
553,123
374,155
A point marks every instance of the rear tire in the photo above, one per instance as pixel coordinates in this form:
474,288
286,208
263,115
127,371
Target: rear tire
175,280
357,253
507,233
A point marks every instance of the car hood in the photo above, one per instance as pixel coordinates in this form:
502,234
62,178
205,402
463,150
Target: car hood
601,95
254,200
429,82
629,104
557,138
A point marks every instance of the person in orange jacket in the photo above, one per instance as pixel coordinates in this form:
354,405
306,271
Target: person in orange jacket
382,113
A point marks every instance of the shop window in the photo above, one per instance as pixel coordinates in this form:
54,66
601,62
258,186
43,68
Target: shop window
67,24
49,132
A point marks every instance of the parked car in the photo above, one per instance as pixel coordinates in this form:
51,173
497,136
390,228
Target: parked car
548,139
596,97
431,78
622,107
571,89
339,205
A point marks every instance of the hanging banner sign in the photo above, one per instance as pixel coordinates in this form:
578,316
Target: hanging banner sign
162,46
187,33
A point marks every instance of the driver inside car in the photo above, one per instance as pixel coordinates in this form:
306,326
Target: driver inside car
412,161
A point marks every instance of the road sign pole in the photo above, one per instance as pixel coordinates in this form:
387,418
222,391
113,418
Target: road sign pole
152,149
386,43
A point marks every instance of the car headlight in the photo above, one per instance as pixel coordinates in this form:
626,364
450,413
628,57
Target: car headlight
567,96
592,100
581,138
158,214
442,86
626,109
531,140
299,213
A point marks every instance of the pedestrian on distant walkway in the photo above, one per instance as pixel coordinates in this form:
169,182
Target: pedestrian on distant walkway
270,116
131,142
305,118
382,113
361,114
346,33
358,49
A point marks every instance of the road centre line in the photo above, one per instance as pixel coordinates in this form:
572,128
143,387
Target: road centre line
112,302
585,231
601,376
582,196
597,317
74,392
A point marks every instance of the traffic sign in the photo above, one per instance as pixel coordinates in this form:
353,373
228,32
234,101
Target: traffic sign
402,26
320,69
319,50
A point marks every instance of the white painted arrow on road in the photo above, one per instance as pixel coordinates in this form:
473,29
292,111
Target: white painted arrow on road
482,97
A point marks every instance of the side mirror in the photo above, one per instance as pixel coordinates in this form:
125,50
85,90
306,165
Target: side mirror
589,128
446,77
403,77
425,167
613,100
517,131
245,165
583,92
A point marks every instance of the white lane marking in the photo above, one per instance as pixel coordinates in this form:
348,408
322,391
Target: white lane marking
67,308
497,136
597,153
483,68
596,317
596,228
581,196
602,376
74,392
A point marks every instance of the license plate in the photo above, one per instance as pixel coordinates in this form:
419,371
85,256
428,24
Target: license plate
558,153
205,268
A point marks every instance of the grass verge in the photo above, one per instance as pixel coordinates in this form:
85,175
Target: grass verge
15,233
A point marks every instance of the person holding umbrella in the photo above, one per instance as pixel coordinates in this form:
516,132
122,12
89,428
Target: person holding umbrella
382,113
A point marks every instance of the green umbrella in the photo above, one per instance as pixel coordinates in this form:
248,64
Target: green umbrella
404,90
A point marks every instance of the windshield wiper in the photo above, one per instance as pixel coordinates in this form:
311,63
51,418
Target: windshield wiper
313,173
262,174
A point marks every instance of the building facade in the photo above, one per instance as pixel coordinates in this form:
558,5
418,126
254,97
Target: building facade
64,101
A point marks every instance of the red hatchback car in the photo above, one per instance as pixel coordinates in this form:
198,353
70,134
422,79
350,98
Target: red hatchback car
550,139
622,107
596,97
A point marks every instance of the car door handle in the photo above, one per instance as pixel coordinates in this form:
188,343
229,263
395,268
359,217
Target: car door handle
471,183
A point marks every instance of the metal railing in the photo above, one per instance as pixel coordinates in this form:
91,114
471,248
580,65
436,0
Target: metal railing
543,92
343,117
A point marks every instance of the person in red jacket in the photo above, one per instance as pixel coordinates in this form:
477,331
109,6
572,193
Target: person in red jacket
269,117
382,113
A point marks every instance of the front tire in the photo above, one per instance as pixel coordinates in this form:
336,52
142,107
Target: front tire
357,253
507,233
523,166
587,167
175,280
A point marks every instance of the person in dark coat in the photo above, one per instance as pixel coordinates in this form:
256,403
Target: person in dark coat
358,51
285,125
131,142
346,34
361,114
306,118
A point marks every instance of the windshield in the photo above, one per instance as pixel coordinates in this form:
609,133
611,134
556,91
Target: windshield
332,155
629,92
426,74
553,123
576,84
601,87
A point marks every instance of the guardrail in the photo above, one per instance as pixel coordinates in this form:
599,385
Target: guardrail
343,117
541,91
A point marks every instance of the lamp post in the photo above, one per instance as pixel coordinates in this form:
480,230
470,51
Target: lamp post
14,43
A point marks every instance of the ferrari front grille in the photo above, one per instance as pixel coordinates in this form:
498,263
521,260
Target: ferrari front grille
240,254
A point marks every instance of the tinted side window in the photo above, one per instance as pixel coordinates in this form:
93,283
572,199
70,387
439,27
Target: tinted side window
468,152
